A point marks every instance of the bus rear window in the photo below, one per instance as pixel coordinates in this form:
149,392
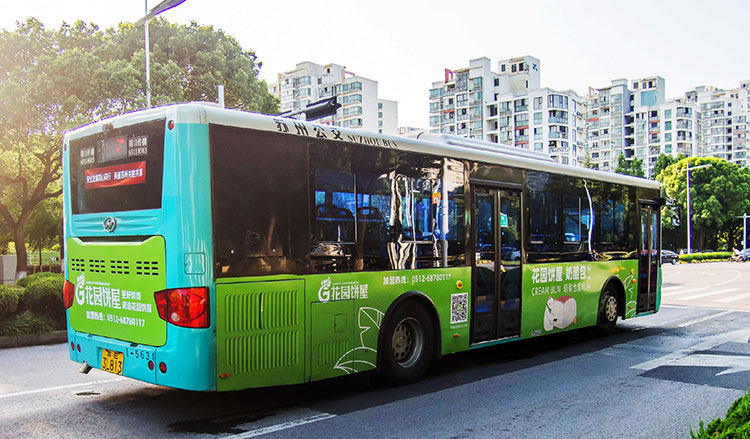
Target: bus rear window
118,170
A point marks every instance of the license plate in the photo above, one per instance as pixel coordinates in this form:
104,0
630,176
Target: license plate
112,361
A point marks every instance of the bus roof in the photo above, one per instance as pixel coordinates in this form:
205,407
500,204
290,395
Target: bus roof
449,146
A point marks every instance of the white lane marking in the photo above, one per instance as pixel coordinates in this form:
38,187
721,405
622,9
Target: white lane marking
733,363
707,294
733,298
282,426
738,274
703,319
677,293
50,389
739,335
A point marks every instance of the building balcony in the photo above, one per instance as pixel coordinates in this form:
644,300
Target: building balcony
520,108
476,117
522,139
561,120
557,135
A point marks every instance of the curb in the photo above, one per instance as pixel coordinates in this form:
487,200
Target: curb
17,341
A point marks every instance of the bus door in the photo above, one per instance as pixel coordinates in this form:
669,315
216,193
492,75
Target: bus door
496,276
648,264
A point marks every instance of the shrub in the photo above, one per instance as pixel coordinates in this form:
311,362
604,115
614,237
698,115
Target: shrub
712,256
735,425
26,323
43,296
30,279
8,301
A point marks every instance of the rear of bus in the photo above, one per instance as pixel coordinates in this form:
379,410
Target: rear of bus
138,247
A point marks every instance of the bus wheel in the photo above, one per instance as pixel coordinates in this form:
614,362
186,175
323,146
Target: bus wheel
408,343
607,312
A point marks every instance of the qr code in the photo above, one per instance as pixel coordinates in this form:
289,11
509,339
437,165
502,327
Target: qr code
459,308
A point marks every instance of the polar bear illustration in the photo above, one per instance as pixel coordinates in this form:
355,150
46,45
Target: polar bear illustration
560,313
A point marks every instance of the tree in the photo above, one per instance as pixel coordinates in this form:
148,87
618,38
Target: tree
662,162
44,228
718,194
632,167
588,162
53,80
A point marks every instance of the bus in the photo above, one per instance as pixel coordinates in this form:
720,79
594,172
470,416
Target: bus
211,249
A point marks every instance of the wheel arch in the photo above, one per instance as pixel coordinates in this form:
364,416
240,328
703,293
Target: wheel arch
614,283
427,303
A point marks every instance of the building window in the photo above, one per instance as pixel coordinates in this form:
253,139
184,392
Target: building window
537,102
537,117
380,114
502,68
356,86
380,105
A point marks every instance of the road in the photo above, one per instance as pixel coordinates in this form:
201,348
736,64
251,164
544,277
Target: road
657,376
714,285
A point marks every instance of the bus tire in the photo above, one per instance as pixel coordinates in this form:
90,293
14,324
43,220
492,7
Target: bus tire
407,344
608,311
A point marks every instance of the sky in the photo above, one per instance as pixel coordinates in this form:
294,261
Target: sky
406,45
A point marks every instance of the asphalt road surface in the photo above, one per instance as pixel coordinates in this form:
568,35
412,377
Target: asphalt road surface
656,377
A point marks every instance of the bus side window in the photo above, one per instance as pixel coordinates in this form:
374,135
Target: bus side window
333,231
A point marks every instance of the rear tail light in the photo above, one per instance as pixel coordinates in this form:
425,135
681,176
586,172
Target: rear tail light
186,307
69,293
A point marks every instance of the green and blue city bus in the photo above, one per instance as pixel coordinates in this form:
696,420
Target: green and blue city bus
213,249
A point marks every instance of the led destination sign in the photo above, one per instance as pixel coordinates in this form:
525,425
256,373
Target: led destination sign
114,148
117,175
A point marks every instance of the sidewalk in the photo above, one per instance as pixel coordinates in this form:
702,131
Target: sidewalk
33,339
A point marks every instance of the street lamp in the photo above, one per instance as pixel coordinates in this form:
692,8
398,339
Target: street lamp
688,168
158,9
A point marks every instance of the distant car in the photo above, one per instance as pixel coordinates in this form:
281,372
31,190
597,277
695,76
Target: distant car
669,256
745,254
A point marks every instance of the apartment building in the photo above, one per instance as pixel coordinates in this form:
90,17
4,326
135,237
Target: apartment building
360,105
724,117
639,122
509,106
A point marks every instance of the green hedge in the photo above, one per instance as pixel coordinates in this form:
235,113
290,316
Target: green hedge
736,425
33,306
713,256
32,278
43,296
8,301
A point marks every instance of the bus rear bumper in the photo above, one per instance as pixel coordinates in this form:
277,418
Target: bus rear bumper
188,369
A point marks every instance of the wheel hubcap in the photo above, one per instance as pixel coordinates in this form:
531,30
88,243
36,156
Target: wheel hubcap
610,309
407,342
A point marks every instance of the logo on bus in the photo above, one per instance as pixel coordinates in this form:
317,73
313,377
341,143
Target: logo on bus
330,291
110,224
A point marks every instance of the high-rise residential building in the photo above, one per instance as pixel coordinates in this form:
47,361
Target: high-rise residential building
639,122
509,106
358,96
724,117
